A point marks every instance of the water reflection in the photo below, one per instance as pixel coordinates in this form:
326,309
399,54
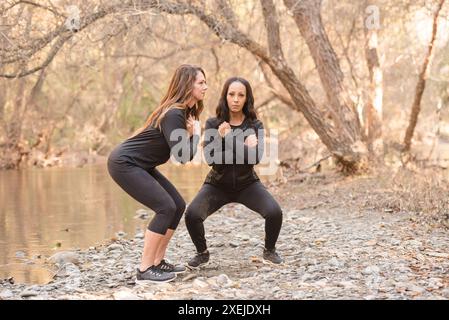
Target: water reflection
44,211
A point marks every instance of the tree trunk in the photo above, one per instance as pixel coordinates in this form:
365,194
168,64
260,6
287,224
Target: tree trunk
373,108
340,145
337,136
307,16
421,85
14,144
2,102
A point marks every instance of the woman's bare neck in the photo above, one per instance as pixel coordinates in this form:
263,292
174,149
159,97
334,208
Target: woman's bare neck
236,119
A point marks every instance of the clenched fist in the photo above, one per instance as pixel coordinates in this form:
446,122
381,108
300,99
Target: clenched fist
190,124
251,141
224,129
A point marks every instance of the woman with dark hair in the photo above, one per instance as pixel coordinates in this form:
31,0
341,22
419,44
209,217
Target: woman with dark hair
233,144
169,130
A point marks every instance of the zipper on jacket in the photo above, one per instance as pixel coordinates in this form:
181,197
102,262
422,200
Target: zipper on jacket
234,145
233,175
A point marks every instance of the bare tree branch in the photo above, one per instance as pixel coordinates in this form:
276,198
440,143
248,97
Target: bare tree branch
34,4
54,50
217,61
6,38
227,12
38,44
421,84
282,97
222,30
265,102
63,35
3,11
157,58
272,26
346,48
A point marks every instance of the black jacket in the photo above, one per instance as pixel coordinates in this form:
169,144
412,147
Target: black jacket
234,168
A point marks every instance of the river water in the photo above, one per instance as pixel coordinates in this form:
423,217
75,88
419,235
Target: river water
43,211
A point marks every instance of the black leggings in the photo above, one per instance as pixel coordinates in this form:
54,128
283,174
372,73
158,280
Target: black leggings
211,198
153,190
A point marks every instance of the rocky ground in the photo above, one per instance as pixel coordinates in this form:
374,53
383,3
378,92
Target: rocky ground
336,242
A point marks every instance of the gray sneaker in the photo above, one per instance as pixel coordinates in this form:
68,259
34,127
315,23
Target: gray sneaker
198,260
168,267
153,274
271,256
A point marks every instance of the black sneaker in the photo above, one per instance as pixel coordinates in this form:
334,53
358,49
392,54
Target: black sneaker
198,260
168,267
271,256
153,274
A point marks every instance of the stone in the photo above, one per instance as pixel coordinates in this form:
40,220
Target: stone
189,277
224,281
139,235
125,295
298,295
371,270
63,257
199,284
233,244
414,288
20,254
115,246
5,294
120,234
372,242
29,293
437,254
142,214
148,296
402,278
304,219
346,284
445,292
335,263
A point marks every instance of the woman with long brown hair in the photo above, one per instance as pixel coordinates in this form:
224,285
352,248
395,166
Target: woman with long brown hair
169,130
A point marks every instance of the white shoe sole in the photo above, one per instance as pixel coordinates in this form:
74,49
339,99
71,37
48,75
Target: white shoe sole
179,272
271,263
155,281
199,267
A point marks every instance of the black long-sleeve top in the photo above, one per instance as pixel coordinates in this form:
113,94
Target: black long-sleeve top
153,146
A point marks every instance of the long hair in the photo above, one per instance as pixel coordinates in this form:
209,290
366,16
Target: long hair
178,94
222,111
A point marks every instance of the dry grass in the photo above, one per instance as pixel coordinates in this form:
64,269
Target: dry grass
423,192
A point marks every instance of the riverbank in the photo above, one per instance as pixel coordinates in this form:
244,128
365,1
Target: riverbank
342,238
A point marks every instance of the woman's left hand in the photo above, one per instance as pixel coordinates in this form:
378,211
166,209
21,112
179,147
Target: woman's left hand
251,141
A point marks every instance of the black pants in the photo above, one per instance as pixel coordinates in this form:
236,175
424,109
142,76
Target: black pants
153,190
210,198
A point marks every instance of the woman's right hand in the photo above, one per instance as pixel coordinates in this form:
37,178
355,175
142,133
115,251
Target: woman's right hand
224,129
190,124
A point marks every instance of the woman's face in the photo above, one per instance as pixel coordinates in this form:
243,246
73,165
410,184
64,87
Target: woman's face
236,97
199,87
